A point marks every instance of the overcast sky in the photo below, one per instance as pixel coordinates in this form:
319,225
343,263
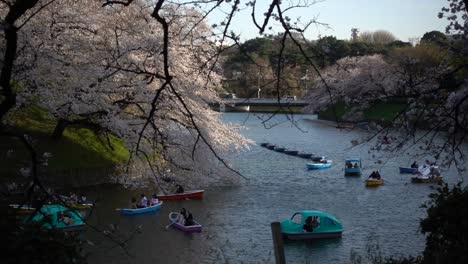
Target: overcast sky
404,18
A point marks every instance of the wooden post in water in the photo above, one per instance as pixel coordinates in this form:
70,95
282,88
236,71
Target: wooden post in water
278,243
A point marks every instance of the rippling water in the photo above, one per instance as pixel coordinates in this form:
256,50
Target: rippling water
237,219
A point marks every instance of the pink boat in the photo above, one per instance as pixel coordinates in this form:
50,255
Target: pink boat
174,218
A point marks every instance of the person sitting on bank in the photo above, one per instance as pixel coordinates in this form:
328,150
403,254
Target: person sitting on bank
414,165
179,189
189,220
308,227
133,203
143,201
154,200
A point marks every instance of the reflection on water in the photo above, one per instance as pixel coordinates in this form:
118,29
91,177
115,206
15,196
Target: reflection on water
237,219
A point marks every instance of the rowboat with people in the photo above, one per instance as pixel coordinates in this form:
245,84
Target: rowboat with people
374,182
308,225
176,223
323,164
144,210
195,194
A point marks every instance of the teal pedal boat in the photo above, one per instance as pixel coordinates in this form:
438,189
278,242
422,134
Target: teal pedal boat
58,217
308,225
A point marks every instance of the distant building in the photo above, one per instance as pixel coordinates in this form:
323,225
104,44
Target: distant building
354,34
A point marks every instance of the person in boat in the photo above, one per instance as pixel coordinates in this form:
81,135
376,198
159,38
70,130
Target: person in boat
133,203
349,164
73,198
154,200
143,201
414,165
68,219
315,222
308,225
189,220
182,217
82,199
60,216
377,175
179,189
356,165
372,175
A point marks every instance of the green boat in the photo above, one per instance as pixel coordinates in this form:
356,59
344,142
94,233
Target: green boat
307,225
58,217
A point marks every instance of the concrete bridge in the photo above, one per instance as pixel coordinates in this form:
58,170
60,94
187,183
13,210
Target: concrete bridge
284,105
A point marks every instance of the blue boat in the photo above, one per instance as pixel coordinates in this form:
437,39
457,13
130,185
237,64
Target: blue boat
408,170
353,167
319,165
307,225
149,209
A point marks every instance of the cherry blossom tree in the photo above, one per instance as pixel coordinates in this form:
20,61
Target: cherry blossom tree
414,78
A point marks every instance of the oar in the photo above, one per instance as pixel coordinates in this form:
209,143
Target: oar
167,227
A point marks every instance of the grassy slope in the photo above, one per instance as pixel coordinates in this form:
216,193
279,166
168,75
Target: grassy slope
79,147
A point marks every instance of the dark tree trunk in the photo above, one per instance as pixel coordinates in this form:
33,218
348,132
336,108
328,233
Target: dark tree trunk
16,11
59,129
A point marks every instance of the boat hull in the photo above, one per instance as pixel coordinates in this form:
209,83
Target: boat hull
352,171
374,183
312,236
173,216
318,166
149,209
426,180
291,152
197,194
408,170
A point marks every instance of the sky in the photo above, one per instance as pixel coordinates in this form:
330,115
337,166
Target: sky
404,18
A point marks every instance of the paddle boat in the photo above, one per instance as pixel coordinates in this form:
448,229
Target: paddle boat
353,167
149,209
272,147
175,223
305,155
374,182
428,174
279,149
57,217
76,205
307,225
344,126
291,152
22,209
196,194
408,170
323,164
